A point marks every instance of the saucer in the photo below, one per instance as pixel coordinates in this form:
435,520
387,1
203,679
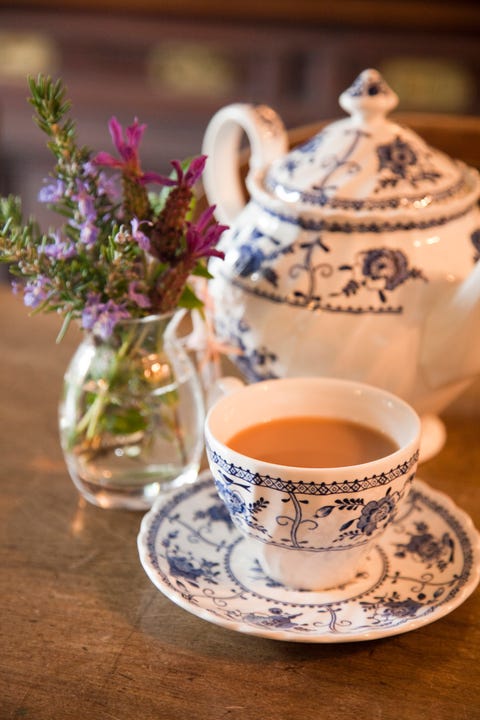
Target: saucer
426,565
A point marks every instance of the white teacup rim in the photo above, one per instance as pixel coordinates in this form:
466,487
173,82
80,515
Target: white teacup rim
397,456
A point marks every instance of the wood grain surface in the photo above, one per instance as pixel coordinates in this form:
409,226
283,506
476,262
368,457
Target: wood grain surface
85,635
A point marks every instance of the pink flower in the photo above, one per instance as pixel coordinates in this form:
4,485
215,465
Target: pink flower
204,235
129,161
193,173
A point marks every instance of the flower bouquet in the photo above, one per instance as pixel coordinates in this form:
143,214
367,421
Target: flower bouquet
120,265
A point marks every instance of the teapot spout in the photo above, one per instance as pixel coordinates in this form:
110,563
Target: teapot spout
451,340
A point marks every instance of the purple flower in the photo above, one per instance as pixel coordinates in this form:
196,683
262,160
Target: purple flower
104,185
85,201
52,192
88,234
204,235
139,236
60,249
127,147
87,212
100,317
107,186
90,169
36,291
17,286
136,296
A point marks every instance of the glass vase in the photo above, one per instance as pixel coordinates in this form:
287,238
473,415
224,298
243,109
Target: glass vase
131,414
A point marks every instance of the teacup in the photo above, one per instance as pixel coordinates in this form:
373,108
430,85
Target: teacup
311,528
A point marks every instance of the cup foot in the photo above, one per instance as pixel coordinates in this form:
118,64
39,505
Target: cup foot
309,570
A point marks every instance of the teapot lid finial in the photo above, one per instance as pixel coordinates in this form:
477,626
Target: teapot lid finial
369,97
370,165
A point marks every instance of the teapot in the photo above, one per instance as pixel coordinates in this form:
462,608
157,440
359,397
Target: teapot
355,255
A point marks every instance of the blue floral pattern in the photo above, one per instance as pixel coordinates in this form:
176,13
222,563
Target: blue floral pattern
374,516
254,260
275,618
255,362
300,519
380,270
237,507
398,161
388,265
425,548
184,566
427,564
392,607
397,157
237,475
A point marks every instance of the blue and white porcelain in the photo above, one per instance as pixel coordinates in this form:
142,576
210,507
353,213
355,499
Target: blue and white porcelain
356,254
311,527
425,566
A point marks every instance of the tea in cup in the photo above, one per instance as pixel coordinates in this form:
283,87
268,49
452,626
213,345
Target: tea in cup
312,471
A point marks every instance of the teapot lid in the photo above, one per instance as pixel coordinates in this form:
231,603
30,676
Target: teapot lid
367,163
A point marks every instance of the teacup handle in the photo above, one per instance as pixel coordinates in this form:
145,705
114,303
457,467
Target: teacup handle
221,178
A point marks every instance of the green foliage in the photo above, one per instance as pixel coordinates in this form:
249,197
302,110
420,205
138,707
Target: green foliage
120,251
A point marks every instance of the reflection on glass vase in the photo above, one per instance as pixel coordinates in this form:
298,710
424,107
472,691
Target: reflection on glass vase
131,414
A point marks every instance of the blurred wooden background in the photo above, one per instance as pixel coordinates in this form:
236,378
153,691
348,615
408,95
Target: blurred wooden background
173,63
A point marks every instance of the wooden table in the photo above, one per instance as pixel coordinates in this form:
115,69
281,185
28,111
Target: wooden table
85,635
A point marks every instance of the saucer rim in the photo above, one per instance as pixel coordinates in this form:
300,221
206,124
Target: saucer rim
164,585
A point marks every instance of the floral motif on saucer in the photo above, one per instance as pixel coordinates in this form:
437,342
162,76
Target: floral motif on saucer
425,566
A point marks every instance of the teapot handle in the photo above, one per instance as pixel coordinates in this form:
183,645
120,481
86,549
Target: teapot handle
221,178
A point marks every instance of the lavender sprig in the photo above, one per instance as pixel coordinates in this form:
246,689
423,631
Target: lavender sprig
121,251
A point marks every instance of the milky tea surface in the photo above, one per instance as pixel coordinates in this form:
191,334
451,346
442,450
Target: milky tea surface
312,442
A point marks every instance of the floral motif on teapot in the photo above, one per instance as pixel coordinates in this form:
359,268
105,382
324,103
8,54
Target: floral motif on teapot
379,270
400,162
254,362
